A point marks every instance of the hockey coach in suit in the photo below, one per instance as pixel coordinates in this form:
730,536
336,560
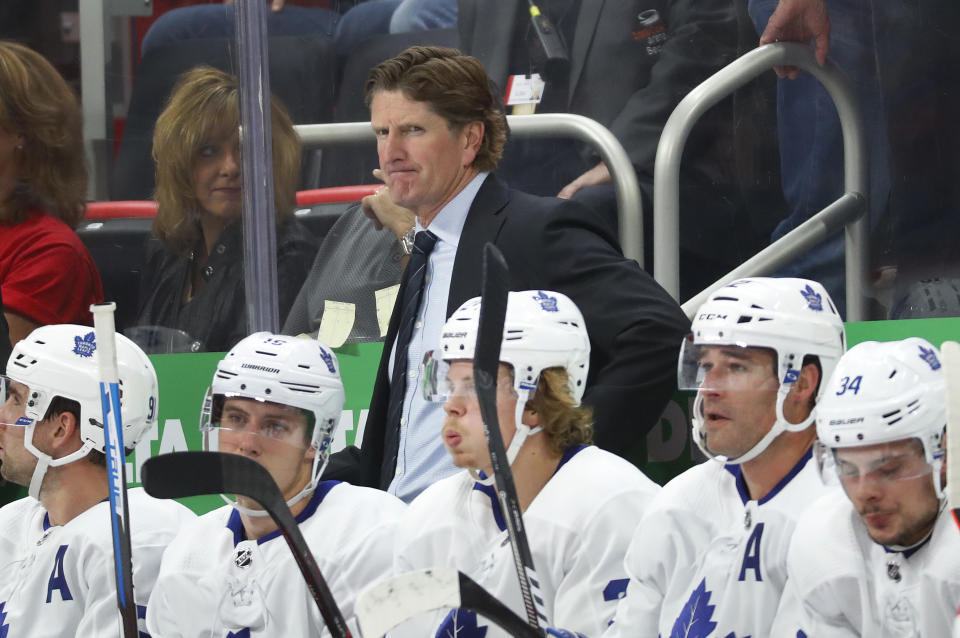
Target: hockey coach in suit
440,132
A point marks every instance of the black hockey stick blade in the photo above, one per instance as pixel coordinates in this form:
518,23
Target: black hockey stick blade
387,604
950,350
181,474
486,364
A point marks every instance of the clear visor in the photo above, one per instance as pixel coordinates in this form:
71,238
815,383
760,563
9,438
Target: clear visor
231,423
725,368
873,465
13,403
437,385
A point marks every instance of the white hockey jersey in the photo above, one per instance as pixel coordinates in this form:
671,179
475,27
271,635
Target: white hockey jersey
214,583
708,561
578,527
844,584
59,581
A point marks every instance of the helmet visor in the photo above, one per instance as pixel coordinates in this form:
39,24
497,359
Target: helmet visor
13,403
725,368
873,465
438,386
230,422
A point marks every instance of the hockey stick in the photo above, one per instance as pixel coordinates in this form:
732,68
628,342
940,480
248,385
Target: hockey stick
385,605
181,474
951,369
105,336
486,364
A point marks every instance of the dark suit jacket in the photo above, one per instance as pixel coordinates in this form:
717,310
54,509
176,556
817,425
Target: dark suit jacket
635,328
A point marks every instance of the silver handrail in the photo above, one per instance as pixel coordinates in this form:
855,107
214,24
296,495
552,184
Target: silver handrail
629,206
848,209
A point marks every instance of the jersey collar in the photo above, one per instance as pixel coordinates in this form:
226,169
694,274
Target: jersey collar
235,523
741,482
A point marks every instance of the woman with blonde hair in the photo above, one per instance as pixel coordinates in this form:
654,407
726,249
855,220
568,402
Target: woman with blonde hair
46,273
193,280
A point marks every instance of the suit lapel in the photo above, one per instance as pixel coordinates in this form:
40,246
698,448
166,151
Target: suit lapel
484,221
583,36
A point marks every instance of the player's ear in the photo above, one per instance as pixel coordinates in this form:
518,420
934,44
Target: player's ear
64,432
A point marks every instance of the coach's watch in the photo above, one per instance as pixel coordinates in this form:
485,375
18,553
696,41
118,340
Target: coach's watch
406,241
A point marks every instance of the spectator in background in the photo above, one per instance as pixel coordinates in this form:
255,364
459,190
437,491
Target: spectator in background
361,21
193,279
47,275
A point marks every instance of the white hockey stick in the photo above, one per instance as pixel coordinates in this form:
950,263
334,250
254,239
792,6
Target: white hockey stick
385,605
486,364
116,463
951,368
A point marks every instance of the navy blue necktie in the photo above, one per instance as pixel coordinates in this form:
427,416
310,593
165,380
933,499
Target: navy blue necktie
423,243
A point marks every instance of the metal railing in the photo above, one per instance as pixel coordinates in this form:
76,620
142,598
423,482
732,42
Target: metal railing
847,211
629,207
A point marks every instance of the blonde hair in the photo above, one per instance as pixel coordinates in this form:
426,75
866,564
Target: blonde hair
37,104
202,109
564,423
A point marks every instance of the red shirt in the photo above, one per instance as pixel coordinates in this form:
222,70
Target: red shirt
46,273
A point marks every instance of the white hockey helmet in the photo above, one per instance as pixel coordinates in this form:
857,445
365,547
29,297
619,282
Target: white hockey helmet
292,371
886,392
794,318
62,361
541,330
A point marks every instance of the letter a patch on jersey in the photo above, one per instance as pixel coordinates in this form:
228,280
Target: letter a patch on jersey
751,555
696,617
58,580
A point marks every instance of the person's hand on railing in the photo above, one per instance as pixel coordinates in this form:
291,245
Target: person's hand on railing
381,210
599,174
799,21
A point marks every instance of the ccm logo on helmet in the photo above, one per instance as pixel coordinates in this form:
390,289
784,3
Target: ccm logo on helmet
710,316
858,419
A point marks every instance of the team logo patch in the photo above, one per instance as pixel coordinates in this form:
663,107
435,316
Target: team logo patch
84,346
243,558
930,356
547,303
328,359
813,298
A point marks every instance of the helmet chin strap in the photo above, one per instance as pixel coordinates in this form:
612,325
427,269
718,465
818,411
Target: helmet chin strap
779,426
45,461
519,436
308,489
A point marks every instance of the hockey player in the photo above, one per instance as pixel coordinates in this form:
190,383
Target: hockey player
709,557
882,556
56,550
277,400
580,503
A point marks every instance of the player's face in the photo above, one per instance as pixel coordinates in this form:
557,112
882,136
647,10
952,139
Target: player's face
217,180
739,392
273,435
16,463
891,488
425,163
463,428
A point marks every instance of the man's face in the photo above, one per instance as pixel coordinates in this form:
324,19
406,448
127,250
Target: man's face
739,393
463,428
891,488
273,435
16,463
425,164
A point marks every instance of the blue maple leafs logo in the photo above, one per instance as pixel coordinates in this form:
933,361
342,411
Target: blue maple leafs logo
548,303
461,623
4,627
696,617
84,346
814,299
929,355
327,359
